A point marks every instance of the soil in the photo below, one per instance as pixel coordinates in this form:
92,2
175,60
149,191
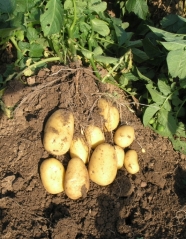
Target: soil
148,205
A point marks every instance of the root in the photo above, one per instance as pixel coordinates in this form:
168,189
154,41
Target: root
37,89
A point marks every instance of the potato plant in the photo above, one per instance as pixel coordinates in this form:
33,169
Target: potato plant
147,62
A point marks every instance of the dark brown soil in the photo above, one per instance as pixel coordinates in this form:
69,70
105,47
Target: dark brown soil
148,205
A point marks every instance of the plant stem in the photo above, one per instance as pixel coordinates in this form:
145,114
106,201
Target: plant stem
113,69
167,98
74,20
95,68
180,108
92,59
70,31
37,64
104,40
15,43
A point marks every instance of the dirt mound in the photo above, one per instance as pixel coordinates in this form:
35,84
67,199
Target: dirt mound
148,205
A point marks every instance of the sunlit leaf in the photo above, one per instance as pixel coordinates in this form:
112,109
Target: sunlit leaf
106,59
100,27
52,18
139,7
156,95
176,61
150,111
164,87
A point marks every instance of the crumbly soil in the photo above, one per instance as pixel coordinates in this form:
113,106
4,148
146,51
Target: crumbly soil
148,205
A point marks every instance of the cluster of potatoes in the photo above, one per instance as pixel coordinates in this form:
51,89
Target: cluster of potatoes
102,158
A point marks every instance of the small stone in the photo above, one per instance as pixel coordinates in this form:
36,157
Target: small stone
150,197
183,157
93,213
143,184
31,80
6,183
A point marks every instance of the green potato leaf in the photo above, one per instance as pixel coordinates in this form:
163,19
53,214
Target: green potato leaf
179,145
100,27
174,45
156,95
164,87
7,6
106,59
150,111
168,121
52,18
32,34
36,50
139,7
97,6
176,61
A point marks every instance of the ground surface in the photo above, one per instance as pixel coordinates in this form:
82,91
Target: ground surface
148,205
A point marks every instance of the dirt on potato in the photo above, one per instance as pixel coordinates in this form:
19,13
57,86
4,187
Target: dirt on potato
148,205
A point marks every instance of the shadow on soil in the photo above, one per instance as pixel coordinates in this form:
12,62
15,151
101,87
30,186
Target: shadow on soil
180,184
115,213
55,212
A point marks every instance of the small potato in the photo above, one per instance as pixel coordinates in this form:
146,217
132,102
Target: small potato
103,165
58,132
120,155
94,136
76,179
79,148
124,136
110,114
131,161
52,175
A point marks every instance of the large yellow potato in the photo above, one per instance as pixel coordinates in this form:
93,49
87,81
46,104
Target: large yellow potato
110,114
79,148
103,165
76,182
131,161
124,136
94,136
58,132
52,175
120,156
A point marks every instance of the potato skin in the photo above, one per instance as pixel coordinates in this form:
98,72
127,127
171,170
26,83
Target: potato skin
94,136
76,182
52,174
79,148
103,165
120,156
131,161
124,136
58,132
110,114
